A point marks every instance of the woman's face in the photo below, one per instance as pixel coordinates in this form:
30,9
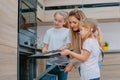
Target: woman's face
74,23
59,21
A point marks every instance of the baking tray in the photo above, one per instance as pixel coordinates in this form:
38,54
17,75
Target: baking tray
50,54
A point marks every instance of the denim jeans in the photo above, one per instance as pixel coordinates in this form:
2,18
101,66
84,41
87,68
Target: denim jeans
96,78
57,72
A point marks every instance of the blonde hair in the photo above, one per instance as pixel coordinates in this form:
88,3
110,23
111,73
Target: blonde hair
65,16
79,15
94,29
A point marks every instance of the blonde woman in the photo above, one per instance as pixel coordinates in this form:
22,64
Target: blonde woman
74,18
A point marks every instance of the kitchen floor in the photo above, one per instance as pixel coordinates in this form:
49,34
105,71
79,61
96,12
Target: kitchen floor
109,71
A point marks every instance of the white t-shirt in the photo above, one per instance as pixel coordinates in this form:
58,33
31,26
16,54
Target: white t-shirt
56,38
90,68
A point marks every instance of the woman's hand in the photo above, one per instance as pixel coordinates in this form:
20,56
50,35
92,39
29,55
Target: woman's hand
69,67
65,52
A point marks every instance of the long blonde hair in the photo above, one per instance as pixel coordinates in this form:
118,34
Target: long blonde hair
94,29
98,34
79,15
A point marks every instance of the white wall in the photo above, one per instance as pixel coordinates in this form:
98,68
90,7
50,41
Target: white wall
103,12
110,33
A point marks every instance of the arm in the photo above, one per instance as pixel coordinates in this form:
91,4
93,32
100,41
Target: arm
82,57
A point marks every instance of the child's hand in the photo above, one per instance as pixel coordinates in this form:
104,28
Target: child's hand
65,52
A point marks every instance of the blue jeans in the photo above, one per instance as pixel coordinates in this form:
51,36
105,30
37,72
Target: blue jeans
96,78
57,72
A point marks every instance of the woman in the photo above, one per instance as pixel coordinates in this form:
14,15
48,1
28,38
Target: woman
75,16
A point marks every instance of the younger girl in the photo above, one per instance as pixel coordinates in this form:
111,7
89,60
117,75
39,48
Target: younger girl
90,51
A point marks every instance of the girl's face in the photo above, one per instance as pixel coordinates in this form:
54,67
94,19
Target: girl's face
59,21
83,31
74,23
